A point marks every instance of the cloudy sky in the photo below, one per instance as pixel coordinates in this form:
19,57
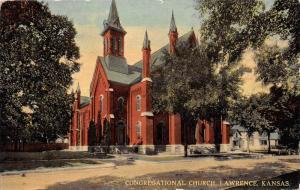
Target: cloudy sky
136,16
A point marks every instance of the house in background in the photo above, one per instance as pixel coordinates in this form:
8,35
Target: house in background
258,142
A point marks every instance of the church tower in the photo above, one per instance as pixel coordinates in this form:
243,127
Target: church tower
173,34
113,33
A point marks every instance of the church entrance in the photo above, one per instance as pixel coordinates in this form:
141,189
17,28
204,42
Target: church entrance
162,134
120,133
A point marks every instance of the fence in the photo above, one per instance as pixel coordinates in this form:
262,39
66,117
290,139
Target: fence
32,147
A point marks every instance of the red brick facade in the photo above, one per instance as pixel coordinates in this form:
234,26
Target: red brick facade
127,106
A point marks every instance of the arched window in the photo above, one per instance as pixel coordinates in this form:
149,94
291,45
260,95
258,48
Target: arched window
101,104
121,105
120,45
138,102
138,129
116,44
112,44
203,133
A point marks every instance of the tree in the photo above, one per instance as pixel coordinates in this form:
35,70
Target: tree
230,27
265,113
246,115
38,56
233,26
282,76
185,85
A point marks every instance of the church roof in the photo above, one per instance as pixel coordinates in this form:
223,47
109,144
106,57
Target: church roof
116,74
84,101
113,20
157,55
117,70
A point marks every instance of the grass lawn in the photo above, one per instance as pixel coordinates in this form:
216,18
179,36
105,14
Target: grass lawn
38,164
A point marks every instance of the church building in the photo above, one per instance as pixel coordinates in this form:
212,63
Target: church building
119,104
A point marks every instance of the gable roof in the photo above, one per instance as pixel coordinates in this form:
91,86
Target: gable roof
131,77
117,70
157,55
84,101
273,136
238,128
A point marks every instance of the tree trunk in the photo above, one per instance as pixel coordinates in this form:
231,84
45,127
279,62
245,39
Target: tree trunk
269,144
248,144
183,123
185,140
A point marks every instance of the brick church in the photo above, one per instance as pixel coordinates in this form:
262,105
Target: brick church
120,98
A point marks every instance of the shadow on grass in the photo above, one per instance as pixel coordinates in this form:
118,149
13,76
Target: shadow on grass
290,160
217,176
30,165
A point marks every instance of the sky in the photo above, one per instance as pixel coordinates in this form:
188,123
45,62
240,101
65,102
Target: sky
136,16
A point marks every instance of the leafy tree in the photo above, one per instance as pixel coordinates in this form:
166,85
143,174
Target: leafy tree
265,113
246,115
233,26
185,85
230,27
283,78
37,58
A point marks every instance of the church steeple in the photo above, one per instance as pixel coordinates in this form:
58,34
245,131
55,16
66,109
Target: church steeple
113,20
113,33
173,34
173,27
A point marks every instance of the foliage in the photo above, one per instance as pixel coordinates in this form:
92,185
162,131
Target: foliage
230,27
38,56
273,69
233,26
184,84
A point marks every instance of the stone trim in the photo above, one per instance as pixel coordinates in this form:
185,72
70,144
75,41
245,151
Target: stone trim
147,79
146,149
149,114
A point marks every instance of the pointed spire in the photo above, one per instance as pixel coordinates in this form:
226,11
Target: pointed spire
146,44
113,19
173,27
113,16
78,88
